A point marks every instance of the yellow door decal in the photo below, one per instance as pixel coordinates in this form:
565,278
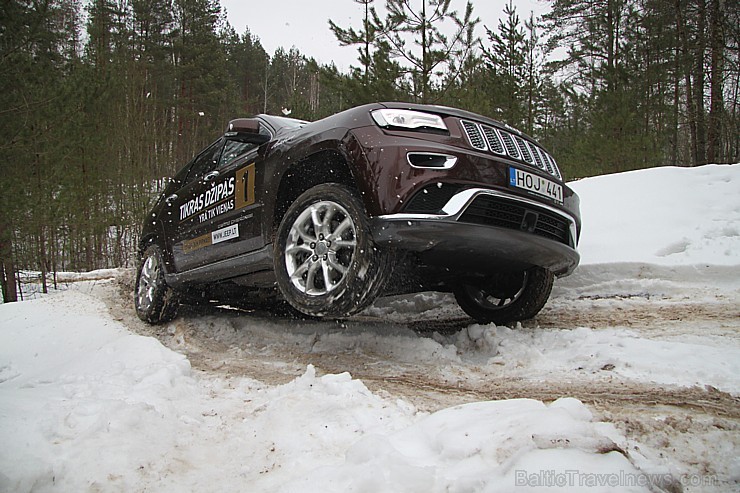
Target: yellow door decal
245,186
197,243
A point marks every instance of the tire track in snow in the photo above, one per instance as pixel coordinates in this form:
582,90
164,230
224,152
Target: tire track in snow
600,394
278,361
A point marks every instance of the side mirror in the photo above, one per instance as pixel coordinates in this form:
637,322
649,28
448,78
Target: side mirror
246,130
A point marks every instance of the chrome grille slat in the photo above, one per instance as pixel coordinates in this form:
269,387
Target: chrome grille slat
498,141
474,135
556,170
494,141
523,149
547,163
550,167
537,157
511,149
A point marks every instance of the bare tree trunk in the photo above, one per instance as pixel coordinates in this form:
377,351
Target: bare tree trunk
266,86
54,248
41,233
7,274
42,259
733,144
686,61
699,81
676,100
7,267
717,44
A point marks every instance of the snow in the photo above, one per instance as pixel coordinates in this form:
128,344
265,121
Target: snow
481,446
88,405
663,216
624,353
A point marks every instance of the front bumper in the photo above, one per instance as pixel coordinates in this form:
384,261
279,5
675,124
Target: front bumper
482,230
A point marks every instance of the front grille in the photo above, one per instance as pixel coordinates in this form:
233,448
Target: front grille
496,211
501,142
431,199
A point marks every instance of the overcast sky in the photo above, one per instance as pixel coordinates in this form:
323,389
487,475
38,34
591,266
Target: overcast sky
305,23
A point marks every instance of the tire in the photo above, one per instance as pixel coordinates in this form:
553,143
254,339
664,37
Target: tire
507,298
154,300
326,262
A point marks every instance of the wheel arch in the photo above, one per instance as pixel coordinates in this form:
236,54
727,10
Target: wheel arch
326,166
146,241
156,237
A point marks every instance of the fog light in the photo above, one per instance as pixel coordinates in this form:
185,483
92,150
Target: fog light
431,160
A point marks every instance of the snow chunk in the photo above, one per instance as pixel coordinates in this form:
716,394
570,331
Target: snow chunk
484,446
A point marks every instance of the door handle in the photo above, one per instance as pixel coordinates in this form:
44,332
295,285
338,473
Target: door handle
171,198
210,176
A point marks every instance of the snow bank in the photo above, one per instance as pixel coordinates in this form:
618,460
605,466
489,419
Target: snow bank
665,216
85,405
484,446
80,394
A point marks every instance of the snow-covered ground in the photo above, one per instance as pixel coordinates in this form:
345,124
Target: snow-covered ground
646,331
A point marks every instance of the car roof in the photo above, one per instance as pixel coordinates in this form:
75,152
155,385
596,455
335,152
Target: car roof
282,122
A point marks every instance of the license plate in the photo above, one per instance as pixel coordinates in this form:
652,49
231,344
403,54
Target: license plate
535,184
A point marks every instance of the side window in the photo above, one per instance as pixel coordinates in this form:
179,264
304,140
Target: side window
232,150
181,175
205,162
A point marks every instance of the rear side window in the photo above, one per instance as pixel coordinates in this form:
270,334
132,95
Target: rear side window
232,150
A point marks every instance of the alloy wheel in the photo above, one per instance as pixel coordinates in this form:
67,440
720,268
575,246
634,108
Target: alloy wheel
320,248
148,282
495,301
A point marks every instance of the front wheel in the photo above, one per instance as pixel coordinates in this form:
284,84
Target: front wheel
154,300
506,298
326,262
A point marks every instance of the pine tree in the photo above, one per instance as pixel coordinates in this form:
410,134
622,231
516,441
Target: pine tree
380,77
505,61
416,40
365,38
247,63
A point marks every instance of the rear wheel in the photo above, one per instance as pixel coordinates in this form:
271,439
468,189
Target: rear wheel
326,262
506,298
154,300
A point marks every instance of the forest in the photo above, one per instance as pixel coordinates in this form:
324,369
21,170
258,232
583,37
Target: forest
102,100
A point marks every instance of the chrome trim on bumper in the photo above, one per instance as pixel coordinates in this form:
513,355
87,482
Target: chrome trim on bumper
449,163
456,206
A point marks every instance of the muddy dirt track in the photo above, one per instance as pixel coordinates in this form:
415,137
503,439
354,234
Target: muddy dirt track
277,361
665,420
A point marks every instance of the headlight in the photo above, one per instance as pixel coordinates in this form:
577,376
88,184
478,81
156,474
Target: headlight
407,119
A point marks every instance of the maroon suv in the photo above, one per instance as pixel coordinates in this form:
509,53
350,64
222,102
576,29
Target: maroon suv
386,198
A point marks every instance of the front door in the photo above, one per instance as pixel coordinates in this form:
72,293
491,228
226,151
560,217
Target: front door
214,211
